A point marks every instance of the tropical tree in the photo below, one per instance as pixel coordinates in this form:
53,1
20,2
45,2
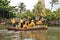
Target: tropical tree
54,2
6,11
57,13
38,9
29,14
22,7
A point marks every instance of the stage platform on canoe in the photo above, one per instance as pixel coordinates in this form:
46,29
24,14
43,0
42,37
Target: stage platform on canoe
26,29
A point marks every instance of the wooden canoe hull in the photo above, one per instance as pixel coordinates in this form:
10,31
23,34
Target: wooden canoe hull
26,29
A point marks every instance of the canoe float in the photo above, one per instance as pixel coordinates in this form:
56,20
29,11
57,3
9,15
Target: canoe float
26,29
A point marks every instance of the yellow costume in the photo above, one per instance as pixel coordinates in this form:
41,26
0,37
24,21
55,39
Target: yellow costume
12,21
31,24
19,25
39,22
46,26
21,21
25,25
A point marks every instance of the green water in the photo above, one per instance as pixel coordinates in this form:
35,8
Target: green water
52,33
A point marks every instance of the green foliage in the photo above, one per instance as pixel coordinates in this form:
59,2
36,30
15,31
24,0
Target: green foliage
38,9
29,14
55,15
6,11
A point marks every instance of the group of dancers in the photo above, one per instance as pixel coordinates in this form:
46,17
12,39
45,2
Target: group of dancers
26,23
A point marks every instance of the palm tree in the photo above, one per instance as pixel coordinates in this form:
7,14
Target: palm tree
22,7
38,9
54,2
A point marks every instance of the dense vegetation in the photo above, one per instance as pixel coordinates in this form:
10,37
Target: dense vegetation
6,11
51,17
38,10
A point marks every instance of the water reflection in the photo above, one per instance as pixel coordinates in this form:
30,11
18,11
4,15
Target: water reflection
29,35
50,34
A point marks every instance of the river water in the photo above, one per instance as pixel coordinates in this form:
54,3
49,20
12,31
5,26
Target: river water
52,33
